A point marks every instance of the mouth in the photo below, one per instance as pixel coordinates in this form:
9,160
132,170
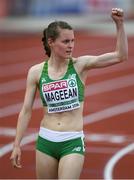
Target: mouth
68,52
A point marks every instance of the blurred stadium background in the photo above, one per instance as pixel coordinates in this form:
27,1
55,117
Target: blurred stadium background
33,15
21,26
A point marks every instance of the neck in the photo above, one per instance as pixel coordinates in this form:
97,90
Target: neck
57,63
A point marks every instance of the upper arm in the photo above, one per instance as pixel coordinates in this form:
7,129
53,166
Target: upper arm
31,86
107,59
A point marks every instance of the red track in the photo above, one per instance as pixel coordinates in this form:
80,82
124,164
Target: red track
108,112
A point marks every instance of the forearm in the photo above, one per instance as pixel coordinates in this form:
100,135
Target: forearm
122,43
22,124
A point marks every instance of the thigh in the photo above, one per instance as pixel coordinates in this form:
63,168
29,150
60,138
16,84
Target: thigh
46,166
70,166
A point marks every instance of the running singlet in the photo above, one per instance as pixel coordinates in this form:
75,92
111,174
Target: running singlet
64,94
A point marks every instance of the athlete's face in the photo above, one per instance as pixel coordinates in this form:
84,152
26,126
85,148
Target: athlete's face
63,46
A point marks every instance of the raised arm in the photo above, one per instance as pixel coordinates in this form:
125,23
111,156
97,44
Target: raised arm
24,117
121,51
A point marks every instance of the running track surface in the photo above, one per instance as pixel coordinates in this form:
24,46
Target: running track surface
108,110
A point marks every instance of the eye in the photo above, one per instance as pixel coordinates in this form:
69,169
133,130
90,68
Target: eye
72,40
66,41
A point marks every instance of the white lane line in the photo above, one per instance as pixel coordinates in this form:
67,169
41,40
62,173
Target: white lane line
109,112
103,86
110,85
9,55
91,118
12,86
4,131
94,150
8,131
22,68
15,69
10,110
26,140
15,109
103,150
109,138
111,69
92,137
108,171
92,89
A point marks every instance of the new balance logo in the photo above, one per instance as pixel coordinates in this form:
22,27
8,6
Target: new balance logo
43,80
77,149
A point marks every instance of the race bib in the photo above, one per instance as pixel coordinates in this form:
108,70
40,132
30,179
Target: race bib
61,95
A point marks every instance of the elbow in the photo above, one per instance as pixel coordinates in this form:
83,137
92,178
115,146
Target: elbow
123,57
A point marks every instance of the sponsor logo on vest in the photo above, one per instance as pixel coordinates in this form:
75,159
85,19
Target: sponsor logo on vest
61,95
55,86
72,83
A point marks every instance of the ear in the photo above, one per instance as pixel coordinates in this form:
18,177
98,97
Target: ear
50,42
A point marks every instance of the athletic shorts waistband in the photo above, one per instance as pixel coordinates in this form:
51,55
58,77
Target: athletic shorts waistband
59,136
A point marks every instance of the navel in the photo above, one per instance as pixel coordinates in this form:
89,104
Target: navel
59,123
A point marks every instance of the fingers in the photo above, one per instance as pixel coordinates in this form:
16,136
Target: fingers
15,161
117,11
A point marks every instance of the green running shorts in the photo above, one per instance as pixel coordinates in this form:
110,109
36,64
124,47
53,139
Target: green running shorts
60,149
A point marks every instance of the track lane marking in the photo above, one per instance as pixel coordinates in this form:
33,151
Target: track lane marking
21,68
110,85
95,88
15,69
12,86
109,112
106,85
92,137
88,119
26,140
108,170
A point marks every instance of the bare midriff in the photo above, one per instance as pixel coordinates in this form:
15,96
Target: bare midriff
64,121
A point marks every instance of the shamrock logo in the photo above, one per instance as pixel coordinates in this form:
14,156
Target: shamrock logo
72,83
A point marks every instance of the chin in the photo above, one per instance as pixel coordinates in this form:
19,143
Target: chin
69,56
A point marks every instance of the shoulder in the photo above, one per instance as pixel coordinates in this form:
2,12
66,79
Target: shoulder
82,61
35,71
35,68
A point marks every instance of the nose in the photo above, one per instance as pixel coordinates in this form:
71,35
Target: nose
71,44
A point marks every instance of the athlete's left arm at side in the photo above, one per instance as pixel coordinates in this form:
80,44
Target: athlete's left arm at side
121,52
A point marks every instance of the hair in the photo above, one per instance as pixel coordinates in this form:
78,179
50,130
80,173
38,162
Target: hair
53,31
